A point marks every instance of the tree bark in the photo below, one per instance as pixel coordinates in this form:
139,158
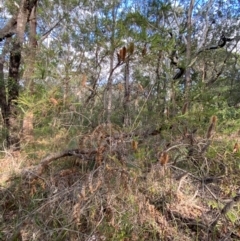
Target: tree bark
126,117
109,82
188,52
27,126
31,51
8,100
3,95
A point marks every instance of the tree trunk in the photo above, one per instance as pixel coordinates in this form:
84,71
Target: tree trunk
12,124
31,52
109,92
8,100
109,82
27,126
188,52
126,117
3,89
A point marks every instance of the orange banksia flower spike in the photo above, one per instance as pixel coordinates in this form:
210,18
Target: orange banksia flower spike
84,80
212,126
236,148
134,145
164,158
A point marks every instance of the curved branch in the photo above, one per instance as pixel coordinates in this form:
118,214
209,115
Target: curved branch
9,29
180,73
221,43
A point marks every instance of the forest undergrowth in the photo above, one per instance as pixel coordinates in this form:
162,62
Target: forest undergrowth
118,184
164,76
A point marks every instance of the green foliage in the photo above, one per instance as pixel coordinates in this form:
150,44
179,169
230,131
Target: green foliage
85,40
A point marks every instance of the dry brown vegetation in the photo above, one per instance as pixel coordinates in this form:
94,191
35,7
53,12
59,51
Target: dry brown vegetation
121,185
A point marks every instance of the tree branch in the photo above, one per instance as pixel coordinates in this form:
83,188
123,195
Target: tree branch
54,25
9,29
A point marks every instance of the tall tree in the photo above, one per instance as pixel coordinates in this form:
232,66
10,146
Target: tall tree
27,126
14,28
188,51
109,86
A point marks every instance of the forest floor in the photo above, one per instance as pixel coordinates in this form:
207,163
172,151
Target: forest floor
124,186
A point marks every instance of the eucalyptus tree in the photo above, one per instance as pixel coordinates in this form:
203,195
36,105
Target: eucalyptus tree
196,39
204,34
22,36
215,43
13,33
163,52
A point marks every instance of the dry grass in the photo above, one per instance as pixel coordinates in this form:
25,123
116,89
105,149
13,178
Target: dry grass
124,196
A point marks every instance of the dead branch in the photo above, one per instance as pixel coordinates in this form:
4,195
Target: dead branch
9,29
38,170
